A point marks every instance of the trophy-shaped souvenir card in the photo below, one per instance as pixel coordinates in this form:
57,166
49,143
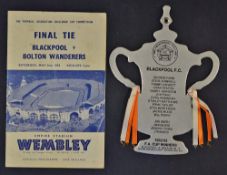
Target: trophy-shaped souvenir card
162,107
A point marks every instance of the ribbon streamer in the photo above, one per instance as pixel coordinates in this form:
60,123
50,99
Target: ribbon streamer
130,123
197,133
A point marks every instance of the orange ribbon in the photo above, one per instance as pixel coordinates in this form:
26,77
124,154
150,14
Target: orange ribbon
209,124
132,126
209,121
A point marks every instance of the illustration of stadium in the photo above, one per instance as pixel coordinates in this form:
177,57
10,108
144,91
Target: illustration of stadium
56,104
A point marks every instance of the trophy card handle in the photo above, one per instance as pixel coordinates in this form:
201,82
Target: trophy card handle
216,64
113,65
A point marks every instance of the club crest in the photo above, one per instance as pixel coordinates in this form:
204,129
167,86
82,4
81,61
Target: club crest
165,53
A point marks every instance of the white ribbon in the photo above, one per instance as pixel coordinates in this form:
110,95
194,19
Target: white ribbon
127,113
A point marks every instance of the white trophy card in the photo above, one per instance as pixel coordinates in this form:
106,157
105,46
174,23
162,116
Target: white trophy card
163,108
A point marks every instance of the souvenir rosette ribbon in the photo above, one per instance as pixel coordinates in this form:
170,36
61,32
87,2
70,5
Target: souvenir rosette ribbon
160,107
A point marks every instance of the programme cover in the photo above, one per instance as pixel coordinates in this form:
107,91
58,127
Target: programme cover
55,113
